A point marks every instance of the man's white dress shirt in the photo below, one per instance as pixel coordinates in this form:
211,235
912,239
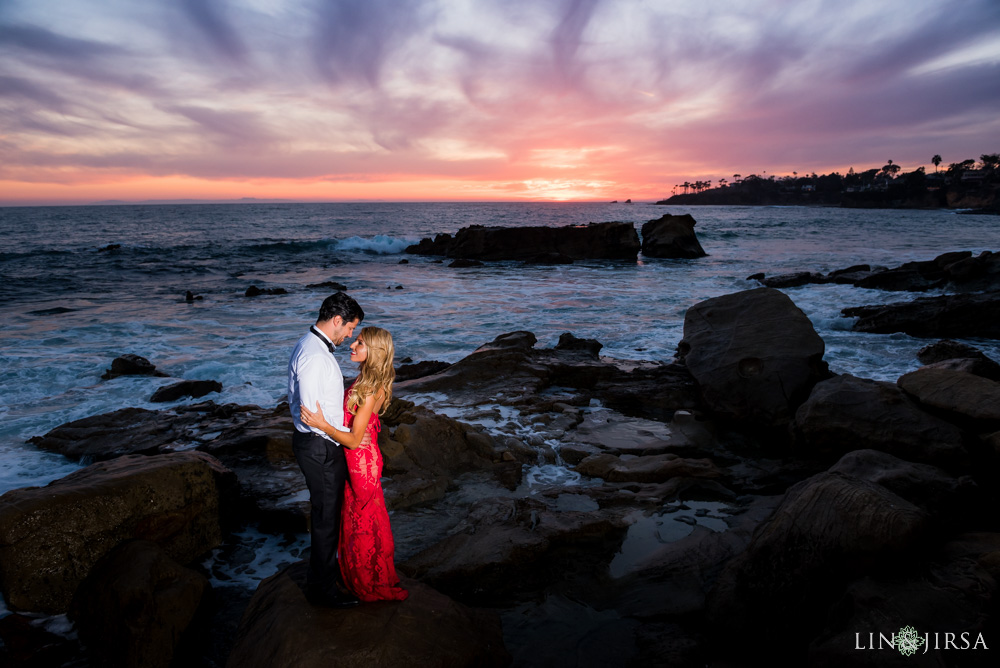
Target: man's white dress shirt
314,375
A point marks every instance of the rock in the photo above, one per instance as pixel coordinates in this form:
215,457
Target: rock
185,388
280,628
329,285
25,644
829,530
579,242
754,354
947,350
462,263
846,413
403,261
109,247
254,291
191,297
569,342
419,370
651,468
953,595
506,546
652,392
131,365
792,280
134,606
671,237
51,537
961,316
121,432
959,395
951,501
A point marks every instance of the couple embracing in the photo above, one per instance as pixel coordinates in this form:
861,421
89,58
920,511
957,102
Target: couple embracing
336,445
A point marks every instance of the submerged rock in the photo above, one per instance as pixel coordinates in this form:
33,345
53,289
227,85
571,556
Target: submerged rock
281,628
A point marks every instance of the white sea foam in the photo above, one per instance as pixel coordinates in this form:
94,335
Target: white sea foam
380,244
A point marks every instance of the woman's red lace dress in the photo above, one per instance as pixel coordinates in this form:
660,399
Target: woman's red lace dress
366,545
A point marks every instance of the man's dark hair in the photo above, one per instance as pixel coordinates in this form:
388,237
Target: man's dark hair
342,305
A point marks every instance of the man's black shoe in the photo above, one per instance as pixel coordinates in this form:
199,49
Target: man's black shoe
338,601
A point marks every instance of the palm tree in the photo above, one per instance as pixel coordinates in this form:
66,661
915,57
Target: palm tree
937,161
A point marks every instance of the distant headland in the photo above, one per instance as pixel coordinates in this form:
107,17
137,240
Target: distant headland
969,185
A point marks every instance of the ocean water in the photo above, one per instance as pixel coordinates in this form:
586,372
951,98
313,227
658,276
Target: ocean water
68,308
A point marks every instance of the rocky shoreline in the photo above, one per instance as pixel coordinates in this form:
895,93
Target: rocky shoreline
739,504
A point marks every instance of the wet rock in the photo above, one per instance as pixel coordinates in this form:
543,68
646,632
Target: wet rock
191,297
829,530
131,365
121,432
185,388
24,644
135,605
51,537
462,263
254,291
329,285
971,358
953,595
592,241
419,370
847,413
280,628
967,398
961,316
671,237
652,392
651,468
424,452
951,501
569,342
507,546
754,354
793,280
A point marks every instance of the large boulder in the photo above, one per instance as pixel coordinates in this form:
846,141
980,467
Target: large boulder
671,237
847,413
135,605
961,316
962,396
51,537
508,546
754,354
609,241
280,628
829,530
950,500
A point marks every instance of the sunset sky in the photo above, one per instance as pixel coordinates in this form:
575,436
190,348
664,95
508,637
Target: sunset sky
480,99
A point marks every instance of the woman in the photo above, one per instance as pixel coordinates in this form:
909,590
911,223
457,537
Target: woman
366,545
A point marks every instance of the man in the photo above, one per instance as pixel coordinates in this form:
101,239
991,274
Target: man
314,376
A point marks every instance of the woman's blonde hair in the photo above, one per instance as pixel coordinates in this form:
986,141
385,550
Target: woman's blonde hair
376,371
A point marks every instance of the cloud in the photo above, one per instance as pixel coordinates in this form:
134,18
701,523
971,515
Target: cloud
569,91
